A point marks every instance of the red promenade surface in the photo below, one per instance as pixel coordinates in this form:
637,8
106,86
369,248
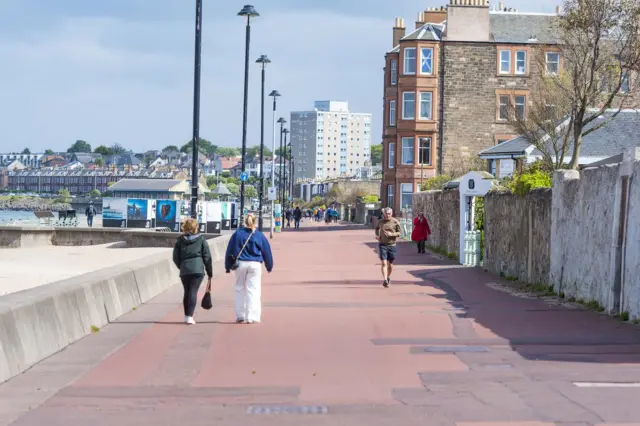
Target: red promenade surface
440,347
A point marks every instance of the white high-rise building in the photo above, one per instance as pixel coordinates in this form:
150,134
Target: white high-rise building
329,141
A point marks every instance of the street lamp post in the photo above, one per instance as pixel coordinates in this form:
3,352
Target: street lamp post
249,12
284,169
196,110
275,95
263,61
291,169
282,122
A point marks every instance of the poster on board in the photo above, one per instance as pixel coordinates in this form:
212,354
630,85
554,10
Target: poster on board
139,213
226,215
235,215
114,212
168,214
213,217
277,214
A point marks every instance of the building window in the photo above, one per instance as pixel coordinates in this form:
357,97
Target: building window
520,107
426,105
408,151
392,113
390,190
504,107
553,62
426,63
424,152
521,62
505,61
392,155
408,106
409,60
406,195
394,72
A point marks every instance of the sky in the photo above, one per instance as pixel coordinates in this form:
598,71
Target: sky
121,71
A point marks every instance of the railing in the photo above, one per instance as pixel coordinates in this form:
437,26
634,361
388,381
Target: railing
406,223
472,255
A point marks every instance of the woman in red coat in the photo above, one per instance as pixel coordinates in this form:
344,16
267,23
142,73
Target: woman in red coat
420,231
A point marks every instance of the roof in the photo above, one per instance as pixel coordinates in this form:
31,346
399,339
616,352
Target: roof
513,27
620,133
144,185
427,32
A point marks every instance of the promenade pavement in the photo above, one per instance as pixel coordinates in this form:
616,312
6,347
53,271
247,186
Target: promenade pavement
442,346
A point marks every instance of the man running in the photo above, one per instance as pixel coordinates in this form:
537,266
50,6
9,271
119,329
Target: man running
387,230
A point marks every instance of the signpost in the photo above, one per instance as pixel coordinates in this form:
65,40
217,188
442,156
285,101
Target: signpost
272,193
244,176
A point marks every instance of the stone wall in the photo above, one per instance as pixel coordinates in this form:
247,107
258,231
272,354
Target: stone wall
631,250
470,100
586,212
518,234
442,210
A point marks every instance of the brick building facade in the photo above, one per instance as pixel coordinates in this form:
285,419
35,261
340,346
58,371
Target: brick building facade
448,85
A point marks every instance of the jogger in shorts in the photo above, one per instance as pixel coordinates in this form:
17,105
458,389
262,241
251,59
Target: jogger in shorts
387,230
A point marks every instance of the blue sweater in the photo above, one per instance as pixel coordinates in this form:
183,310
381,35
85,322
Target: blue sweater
257,249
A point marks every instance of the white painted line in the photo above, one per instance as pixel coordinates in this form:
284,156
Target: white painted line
607,384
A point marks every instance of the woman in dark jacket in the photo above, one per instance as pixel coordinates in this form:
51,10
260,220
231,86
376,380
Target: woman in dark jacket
192,256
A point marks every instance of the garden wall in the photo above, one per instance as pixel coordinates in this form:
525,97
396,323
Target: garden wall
442,210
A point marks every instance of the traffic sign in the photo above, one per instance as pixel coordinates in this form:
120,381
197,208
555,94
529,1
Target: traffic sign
244,176
272,193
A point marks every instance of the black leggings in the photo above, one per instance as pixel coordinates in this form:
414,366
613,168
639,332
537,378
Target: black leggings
191,284
421,245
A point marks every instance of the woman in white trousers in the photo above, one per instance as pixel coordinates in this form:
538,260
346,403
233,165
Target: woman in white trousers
247,250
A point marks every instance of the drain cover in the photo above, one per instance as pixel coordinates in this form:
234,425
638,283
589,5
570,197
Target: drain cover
288,409
455,349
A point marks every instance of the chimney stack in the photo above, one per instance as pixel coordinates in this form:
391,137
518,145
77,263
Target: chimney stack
435,15
420,22
500,6
558,10
398,31
468,20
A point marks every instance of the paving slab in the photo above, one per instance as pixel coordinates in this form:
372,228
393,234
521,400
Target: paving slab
442,346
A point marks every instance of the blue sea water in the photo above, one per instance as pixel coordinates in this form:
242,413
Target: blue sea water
9,217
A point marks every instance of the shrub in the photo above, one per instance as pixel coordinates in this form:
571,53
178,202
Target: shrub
436,182
534,176
369,199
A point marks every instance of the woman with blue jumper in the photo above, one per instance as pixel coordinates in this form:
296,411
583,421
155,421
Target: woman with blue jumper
248,249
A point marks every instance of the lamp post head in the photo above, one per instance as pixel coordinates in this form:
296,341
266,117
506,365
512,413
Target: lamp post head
263,60
286,131
282,121
274,93
249,11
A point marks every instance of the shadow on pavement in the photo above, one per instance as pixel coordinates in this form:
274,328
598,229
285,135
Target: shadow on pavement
543,329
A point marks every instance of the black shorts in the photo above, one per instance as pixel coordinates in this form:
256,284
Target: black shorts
387,253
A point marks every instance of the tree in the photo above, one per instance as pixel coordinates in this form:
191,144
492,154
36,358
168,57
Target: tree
254,152
599,43
64,197
79,146
250,191
233,188
48,152
211,180
99,162
26,151
116,149
376,154
170,148
94,193
204,147
224,151
103,150
280,152
548,124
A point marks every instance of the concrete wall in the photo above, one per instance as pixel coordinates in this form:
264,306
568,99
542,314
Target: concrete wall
522,248
442,209
583,225
16,237
36,323
631,250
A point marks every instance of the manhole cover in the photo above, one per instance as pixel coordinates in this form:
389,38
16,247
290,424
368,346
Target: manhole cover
280,409
454,349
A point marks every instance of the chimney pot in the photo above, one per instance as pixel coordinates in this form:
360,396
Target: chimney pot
500,6
558,10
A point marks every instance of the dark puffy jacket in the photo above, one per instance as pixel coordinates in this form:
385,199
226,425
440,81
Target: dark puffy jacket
192,256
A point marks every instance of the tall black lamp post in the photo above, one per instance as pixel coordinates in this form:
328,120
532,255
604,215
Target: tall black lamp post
249,12
263,61
282,122
291,169
284,169
196,111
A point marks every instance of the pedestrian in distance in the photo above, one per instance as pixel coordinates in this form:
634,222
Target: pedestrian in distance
90,212
387,231
191,254
247,251
420,232
297,217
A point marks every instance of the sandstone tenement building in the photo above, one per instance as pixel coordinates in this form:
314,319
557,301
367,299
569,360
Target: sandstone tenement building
448,85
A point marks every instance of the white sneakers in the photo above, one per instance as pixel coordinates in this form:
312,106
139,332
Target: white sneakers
189,320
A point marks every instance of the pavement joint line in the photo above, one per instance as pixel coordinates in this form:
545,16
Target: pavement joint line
607,384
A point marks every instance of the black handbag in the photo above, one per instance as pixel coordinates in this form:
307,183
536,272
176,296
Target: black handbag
206,300
235,259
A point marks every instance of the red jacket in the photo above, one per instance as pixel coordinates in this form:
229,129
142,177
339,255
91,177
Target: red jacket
421,229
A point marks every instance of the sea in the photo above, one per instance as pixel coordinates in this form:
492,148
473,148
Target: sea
23,218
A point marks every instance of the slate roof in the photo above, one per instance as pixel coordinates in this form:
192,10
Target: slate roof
513,27
620,133
144,185
427,32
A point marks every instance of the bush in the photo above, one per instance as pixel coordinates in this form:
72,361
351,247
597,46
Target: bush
436,182
534,176
369,199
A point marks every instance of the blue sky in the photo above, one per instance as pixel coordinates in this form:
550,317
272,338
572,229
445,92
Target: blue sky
121,71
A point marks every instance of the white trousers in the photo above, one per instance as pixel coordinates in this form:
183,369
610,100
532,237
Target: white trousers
248,291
